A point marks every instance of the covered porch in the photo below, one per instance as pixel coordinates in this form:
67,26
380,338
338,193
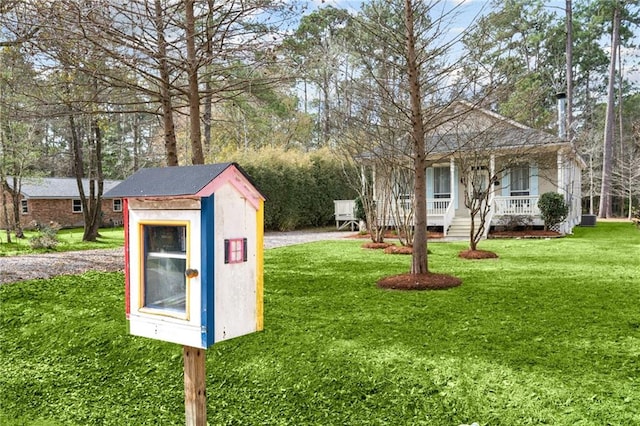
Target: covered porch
509,186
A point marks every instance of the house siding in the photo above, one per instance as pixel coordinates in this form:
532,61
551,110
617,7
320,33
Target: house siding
42,211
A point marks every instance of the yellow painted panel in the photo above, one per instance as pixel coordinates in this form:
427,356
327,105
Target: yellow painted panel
260,267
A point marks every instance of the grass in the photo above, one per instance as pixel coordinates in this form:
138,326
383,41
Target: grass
547,334
69,239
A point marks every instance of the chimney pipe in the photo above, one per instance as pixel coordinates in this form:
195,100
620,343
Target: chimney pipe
562,115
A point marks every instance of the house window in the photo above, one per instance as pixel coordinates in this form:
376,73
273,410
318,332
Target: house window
77,206
520,180
24,206
441,182
235,250
117,205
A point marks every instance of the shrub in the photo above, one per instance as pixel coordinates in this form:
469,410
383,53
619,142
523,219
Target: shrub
47,237
514,223
552,208
300,187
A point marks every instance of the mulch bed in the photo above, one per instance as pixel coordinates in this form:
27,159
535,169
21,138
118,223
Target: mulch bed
376,246
398,250
477,254
531,233
393,235
428,281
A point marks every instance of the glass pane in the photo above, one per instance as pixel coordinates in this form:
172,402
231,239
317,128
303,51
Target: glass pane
165,263
442,185
520,178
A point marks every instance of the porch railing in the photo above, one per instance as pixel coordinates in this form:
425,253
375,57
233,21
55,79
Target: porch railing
435,206
345,213
490,214
448,217
516,206
438,206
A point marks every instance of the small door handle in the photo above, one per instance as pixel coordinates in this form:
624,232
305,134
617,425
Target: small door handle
191,273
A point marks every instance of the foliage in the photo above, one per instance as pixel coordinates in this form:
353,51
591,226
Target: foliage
68,240
300,188
510,346
519,45
513,223
360,215
553,209
46,237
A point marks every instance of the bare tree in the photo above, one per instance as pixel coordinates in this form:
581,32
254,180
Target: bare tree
373,184
18,133
197,156
401,50
605,209
485,148
626,176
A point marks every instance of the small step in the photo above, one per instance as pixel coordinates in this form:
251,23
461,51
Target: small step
460,228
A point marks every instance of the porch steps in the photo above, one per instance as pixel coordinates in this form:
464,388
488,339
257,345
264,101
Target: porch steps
459,229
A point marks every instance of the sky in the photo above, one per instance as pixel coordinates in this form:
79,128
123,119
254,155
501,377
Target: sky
470,9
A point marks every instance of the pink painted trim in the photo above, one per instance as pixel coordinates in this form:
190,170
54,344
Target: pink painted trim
233,177
127,274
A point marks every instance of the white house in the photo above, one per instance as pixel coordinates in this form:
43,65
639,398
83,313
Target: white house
480,152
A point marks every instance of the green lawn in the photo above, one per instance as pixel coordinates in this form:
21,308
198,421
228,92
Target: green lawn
547,334
69,239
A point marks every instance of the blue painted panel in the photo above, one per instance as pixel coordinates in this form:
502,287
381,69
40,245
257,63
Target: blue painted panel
456,181
207,247
506,183
430,183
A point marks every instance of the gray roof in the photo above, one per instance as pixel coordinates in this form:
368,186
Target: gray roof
516,139
472,129
58,187
171,181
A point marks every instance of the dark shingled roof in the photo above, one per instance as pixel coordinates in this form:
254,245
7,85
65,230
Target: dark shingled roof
58,187
170,181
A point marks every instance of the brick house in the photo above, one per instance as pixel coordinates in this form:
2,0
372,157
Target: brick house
45,200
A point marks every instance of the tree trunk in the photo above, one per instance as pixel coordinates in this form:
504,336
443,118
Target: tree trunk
15,199
197,156
419,263
473,244
326,125
136,141
207,101
78,169
92,215
621,126
607,152
170,144
569,70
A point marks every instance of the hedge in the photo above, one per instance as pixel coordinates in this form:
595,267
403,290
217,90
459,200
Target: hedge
300,187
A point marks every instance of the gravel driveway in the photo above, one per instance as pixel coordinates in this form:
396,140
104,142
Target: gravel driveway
34,266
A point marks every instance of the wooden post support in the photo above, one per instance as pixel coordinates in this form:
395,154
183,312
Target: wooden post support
195,395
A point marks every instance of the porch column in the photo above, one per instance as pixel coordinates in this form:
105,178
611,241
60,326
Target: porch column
492,173
374,192
560,167
452,180
492,167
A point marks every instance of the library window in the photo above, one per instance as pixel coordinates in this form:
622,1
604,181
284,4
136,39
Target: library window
235,250
164,267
